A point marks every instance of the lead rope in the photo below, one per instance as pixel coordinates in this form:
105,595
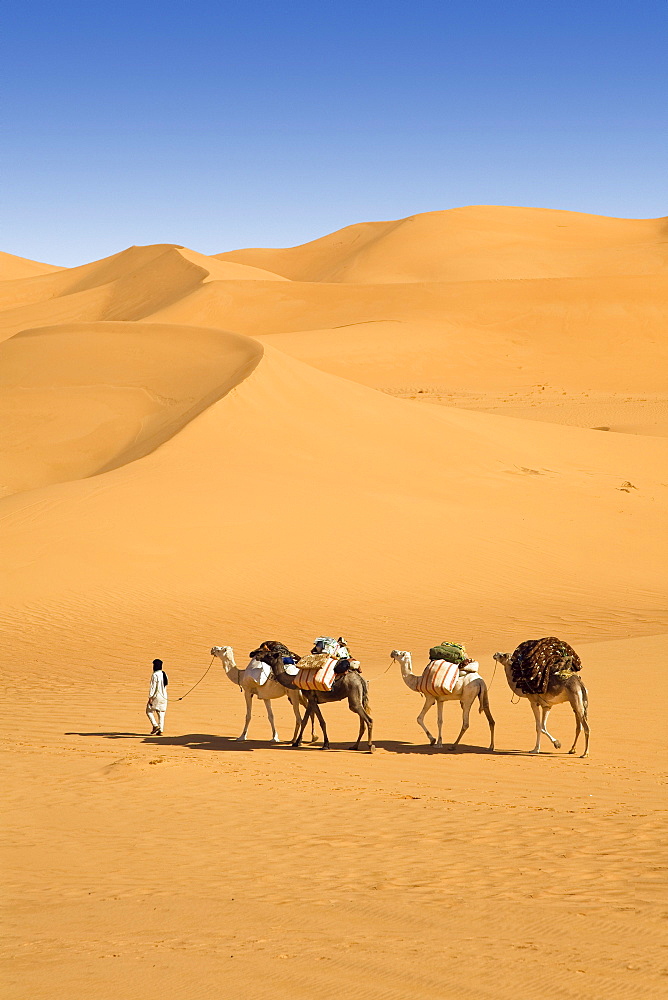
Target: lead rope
380,675
199,681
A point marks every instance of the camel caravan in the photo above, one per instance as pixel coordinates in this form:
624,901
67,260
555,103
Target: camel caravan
544,671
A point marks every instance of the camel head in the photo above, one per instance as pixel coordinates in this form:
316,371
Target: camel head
401,656
262,654
503,659
226,654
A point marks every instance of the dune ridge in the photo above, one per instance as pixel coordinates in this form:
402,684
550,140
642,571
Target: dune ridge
475,243
13,267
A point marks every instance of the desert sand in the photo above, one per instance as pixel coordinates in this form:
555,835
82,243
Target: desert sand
451,426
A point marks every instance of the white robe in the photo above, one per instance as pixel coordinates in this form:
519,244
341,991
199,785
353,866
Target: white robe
157,693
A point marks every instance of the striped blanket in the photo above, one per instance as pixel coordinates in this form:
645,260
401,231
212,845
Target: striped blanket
316,672
438,677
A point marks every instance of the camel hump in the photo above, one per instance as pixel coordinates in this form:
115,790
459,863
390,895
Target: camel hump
536,662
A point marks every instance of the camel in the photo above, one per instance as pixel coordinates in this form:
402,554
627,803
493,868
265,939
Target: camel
570,689
468,687
350,685
267,692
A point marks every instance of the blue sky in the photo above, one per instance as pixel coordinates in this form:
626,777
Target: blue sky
219,125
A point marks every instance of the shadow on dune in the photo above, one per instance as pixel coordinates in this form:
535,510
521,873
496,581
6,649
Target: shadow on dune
398,746
227,744
197,741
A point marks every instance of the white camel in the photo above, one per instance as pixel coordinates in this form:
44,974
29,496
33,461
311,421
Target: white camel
468,687
570,689
266,692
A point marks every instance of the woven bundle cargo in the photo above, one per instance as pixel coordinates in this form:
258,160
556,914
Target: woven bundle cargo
536,661
438,678
453,652
316,672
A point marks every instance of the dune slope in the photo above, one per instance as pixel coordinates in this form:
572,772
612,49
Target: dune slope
80,399
484,242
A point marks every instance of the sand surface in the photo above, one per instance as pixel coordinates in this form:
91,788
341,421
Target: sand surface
449,426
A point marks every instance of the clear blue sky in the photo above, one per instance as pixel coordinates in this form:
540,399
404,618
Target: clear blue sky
227,124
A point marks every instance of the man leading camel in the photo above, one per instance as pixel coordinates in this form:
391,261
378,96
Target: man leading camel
156,706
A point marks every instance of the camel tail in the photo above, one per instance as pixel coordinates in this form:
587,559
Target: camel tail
484,700
585,699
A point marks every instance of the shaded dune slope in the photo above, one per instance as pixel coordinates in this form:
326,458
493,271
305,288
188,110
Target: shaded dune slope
80,399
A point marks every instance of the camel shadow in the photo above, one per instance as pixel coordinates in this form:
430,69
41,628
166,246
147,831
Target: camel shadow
195,741
399,746
229,744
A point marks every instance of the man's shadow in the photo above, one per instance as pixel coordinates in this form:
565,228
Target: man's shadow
196,741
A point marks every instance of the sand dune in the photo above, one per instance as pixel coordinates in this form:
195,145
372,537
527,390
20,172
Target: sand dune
195,450
12,267
472,244
81,399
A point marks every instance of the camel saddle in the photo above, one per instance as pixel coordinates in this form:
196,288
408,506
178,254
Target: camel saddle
536,661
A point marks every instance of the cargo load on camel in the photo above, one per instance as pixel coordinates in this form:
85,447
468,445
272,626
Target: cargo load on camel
453,652
329,659
438,677
316,672
536,662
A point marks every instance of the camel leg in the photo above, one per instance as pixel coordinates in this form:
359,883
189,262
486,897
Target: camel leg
536,714
585,726
307,715
294,701
439,722
484,707
369,724
543,728
356,745
321,720
466,703
303,701
580,712
270,716
249,708
428,702
366,722
578,730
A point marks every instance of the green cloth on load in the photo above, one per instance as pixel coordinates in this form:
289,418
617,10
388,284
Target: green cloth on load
453,652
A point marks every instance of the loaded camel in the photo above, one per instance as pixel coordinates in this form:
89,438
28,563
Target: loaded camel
350,685
267,692
559,690
468,687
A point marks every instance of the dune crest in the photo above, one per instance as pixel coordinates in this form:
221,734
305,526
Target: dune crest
12,267
477,243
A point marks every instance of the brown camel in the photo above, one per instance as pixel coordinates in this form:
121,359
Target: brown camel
560,689
350,685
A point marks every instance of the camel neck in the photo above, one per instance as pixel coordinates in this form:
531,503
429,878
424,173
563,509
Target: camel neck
406,664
